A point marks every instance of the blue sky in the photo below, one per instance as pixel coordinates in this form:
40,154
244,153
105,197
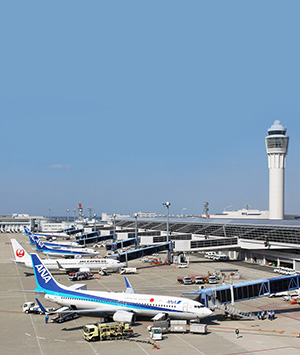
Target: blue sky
123,105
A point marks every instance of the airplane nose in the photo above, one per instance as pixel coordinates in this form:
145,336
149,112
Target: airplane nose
208,312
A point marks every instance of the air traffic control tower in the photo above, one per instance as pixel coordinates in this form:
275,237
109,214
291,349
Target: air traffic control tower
277,146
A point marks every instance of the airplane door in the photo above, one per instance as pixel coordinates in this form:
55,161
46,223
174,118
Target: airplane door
185,307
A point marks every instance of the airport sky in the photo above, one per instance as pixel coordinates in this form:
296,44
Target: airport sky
123,105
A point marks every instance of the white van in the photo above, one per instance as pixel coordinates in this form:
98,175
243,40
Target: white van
210,254
221,257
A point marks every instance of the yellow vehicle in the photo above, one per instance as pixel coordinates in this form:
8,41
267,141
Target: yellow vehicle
106,331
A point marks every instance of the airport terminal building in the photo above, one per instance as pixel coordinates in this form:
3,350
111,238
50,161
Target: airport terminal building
265,242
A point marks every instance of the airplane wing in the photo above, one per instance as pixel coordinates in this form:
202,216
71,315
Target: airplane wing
89,311
29,291
66,268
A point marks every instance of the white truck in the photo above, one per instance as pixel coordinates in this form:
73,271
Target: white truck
155,333
31,307
128,270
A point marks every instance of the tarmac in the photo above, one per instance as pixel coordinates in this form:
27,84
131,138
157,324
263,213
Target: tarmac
28,334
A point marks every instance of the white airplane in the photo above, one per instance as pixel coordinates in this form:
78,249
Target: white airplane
122,306
80,264
51,244
48,235
64,252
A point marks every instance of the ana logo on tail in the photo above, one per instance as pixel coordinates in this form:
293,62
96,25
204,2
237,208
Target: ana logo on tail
20,253
43,272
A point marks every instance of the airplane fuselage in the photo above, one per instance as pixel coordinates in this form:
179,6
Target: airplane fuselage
77,264
141,304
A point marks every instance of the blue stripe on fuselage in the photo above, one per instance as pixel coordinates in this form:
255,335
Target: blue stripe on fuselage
109,301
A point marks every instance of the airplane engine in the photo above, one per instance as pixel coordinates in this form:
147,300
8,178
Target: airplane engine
123,316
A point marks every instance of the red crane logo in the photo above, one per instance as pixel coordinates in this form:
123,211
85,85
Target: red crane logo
20,253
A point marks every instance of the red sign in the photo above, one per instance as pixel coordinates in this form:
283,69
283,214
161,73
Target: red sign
151,299
20,253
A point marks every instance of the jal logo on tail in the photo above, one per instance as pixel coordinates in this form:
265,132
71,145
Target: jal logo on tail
20,253
43,272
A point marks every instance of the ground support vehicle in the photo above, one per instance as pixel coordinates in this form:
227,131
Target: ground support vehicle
31,307
128,270
61,318
106,331
162,324
80,275
155,333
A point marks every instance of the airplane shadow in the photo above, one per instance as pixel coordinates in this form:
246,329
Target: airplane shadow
71,329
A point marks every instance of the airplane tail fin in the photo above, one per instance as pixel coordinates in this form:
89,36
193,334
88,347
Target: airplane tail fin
20,253
43,309
30,235
39,244
43,277
26,230
129,288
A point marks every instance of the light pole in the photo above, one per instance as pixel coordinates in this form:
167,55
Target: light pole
95,221
74,216
168,204
114,217
68,211
135,215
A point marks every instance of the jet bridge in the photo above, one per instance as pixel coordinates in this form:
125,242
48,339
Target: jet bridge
139,253
120,244
214,296
93,238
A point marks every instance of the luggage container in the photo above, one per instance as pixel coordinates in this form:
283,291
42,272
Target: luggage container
197,328
179,326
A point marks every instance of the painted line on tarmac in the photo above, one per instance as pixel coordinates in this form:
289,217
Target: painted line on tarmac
262,350
198,351
249,330
62,341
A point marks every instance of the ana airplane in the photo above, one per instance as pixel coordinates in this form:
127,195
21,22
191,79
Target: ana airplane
77,264
49,235
122,306
51,244
64,252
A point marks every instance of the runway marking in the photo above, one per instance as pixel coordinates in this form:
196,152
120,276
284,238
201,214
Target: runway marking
41,338
262,350
142,349
32,323
29,335
250,330
62,341
198,351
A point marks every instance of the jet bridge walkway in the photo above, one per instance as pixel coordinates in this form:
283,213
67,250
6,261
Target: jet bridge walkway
139,253
214,296
120,244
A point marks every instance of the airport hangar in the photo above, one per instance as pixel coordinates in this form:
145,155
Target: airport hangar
264,242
